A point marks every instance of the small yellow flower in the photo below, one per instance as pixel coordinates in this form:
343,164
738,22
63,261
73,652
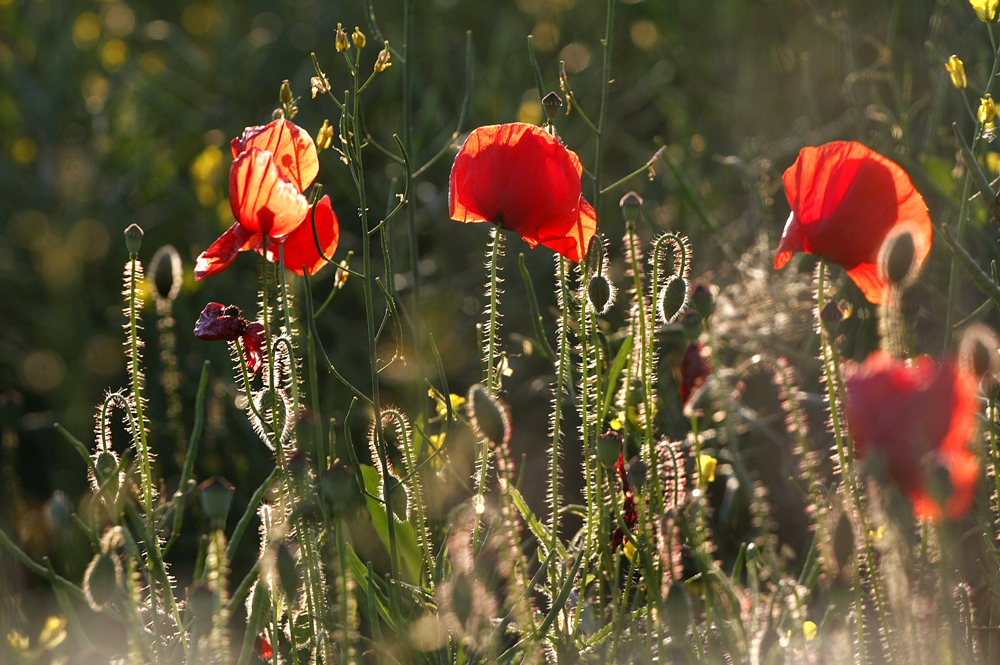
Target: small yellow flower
956,68
616,424
987,110
986,10
629,550
382,62
434,443
320,85
809,631
706,468
324,138
877,535
359,37
442,408
341,41
53,633
18,642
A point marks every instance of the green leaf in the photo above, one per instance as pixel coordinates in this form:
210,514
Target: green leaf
616,368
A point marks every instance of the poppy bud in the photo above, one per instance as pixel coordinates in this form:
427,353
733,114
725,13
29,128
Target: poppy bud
101,579
678,609
673,299
288,574
399,498
702,301
596,252
106,469
978,352
551,103
285,93
938,482
898,258
637,472
133,239
956,68
341,40
609,448
488,415
382,61
216,495
340,489
324,137
600,292
165,270
202,602
691,324
630,204
358,38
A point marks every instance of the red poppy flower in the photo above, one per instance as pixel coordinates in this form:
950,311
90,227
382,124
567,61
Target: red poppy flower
919,418
218,322
273,164
628,508
845,201
522,178
262,648
696,366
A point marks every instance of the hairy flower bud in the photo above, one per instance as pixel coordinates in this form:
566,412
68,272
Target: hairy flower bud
600,293
673,299
897,258
702,301
101,580
488,415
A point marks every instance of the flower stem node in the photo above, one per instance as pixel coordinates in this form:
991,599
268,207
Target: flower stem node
630,204
133,239
609,447
341,41
216,496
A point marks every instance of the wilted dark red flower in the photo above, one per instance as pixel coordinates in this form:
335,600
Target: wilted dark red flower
696,366
522,178
218,322
273,164
262,648
845,200
919,418
628,508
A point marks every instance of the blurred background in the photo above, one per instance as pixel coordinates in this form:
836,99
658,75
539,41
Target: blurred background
115,112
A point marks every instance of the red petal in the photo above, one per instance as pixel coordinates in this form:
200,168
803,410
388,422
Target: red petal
299,248
520,176
293,149
263,648
791,242
253,344
871,282
846,199
262,200
217,322
223,251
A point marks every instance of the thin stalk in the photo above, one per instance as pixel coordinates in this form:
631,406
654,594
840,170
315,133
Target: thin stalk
562,373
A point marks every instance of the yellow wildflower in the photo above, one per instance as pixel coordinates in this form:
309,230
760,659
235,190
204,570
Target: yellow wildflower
986,10
956,68
706,468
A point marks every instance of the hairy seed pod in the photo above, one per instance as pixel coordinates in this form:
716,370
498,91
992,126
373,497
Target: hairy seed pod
106,469
979,352
673,299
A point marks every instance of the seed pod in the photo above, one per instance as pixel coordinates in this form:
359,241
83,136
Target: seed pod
630,204
609,448
551,103
673,299
101,580
637,473
133,239
488,415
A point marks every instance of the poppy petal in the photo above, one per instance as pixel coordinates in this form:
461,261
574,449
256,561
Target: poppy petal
294,151
846,199
299,247
262,200
519,176
871,282
223,251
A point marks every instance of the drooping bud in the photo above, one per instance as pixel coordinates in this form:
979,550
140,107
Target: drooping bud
382,62
340,490
358,38
324,137
488,415
979,352
288,573
609,448
897,258
399,498
216,495
101,580
702,301
956,68
600,293
551,103
106,469
630,204
285,95
133,239
596,252
673,299
341,41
